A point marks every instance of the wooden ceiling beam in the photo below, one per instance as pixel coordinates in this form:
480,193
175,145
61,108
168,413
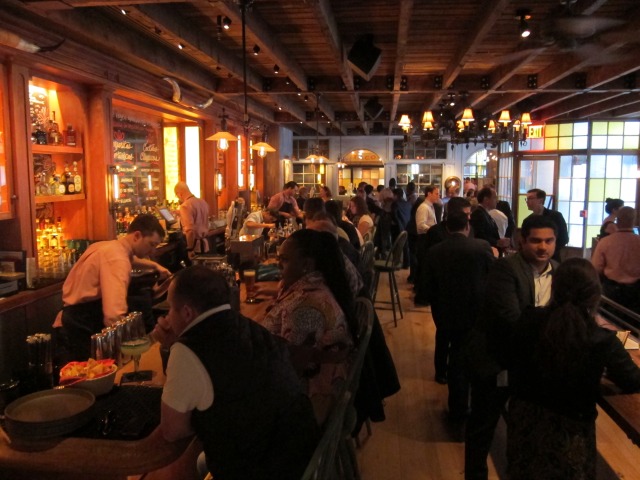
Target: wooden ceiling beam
571,105
406,12
630,111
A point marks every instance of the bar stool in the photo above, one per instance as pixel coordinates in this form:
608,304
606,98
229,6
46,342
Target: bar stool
390,265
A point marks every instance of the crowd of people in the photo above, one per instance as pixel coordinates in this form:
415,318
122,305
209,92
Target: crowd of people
514,325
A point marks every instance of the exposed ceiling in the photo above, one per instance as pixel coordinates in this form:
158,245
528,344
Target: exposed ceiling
580,61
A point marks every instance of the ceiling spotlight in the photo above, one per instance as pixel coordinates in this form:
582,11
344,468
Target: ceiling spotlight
226,23
306,98
180,46
123,11
276,69
524,15
256,49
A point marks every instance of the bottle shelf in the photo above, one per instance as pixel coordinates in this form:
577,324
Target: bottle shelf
54,149
59,198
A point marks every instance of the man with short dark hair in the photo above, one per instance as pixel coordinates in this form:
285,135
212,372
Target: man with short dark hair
617,260
513,284
535,202
94,294
257,221
231,383
483,225
285,201
454,304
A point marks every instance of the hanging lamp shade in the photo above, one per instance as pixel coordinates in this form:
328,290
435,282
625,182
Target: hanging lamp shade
526,119
223,139
262,148
492,126
467,116
505,117
404,122
427,120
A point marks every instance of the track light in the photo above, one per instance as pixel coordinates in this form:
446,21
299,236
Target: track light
256,49
226,23
180,46
276,69
524,15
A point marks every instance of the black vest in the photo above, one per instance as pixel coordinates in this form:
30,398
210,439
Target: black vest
261,425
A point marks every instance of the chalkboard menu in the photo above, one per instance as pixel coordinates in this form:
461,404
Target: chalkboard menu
137,157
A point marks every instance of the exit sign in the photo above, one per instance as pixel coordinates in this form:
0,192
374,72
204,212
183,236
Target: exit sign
536,131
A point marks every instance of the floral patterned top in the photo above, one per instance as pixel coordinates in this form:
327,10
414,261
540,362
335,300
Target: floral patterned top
307,314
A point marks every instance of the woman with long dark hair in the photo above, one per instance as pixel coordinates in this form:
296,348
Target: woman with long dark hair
558,356
611,206
314,312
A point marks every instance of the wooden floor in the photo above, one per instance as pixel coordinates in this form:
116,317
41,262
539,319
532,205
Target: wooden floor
416,442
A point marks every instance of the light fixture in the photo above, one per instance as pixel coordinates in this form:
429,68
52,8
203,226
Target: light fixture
276,69
262,147
316,154
180,46
428,120
523,15
467,116
223,137
219,181
525,119
405,123
226,23
505,118
256,49
123,11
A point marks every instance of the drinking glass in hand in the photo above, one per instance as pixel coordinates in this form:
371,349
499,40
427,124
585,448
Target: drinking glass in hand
250,285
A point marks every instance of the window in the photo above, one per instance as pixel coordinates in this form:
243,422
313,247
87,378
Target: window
422,174
310,175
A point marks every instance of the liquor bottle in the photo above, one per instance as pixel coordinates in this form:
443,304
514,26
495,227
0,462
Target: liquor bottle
58,185
69,186
59,231
77,179
53,132
41,135
70,136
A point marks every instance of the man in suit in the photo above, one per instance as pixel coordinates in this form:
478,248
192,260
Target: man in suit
483,225
535,203
453,307
513,284
401,210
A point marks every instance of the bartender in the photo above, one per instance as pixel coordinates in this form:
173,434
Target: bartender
194,219
94,295
285,202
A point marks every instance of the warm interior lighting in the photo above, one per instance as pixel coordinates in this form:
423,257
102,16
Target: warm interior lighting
262,148
256,49
523,15
226,23
492,126
505,117
276,69
526,119
223,137
427,120
219,182
467,116
516,125
405,123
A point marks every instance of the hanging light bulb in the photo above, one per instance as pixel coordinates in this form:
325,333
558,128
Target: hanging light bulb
223,137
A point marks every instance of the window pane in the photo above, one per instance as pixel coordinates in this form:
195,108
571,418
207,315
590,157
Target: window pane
628,190
612,188
564,189
565,143
575,235
592,231
581,128
579,166
629,166
632,128
565,166
566,129
598,166
599,128
614,166
577,189
598,142
596,213
537,143
615,142
580,143
551,130
616,128
596,190
551,143
563,208
630,142
574,212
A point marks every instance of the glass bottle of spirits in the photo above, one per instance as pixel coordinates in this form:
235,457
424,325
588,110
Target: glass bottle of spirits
41,135
77,179
59,231
70,136
69,186
53,132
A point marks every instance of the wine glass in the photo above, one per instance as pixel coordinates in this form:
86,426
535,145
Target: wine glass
135,342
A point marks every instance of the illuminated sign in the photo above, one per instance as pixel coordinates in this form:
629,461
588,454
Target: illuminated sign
362,156
536,131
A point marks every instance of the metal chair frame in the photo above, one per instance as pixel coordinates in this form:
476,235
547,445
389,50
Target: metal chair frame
391,264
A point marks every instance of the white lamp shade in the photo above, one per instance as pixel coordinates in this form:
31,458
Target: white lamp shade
526,119
505,118
467,115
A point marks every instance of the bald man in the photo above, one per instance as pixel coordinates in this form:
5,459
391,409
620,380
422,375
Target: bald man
194,219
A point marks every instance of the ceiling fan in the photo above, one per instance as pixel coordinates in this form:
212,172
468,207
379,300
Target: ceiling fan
587,37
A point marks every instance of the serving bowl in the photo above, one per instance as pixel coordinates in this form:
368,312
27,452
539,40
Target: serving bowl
98,385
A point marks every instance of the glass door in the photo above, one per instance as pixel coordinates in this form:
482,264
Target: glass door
537,172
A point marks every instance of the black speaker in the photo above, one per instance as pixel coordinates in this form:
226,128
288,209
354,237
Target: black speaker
373,108
364,57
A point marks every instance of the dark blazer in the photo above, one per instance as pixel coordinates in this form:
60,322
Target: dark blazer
509,290
458,267
563,233
484,227
402,212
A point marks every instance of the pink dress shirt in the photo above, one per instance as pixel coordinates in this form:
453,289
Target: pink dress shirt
194,218
617,256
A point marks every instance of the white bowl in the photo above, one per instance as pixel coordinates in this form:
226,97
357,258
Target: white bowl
100,385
